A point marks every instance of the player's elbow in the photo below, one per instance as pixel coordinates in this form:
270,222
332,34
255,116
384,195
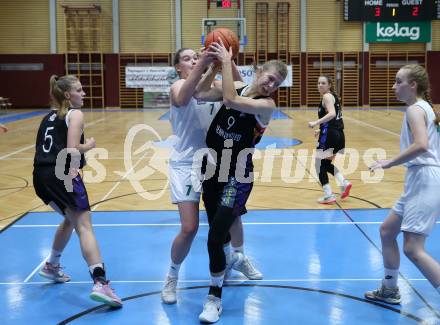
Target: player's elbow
200,95
422,146
197,94
179,102
228,101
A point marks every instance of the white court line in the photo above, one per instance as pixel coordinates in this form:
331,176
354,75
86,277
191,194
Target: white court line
371,126
35,270
33,145
240,280
17,151
119,182
205,224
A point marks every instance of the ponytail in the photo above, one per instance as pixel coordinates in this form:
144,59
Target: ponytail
58,86
426,96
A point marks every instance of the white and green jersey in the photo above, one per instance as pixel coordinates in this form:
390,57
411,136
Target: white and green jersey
190,124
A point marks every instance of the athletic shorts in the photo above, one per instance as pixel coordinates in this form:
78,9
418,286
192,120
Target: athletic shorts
419,205
231,195
51,189
184,185
331,139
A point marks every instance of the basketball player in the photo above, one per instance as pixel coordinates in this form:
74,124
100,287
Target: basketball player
417,210
237,127
59,155
331,140
190,120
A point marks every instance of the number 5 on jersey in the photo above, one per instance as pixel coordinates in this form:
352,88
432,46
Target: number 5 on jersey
47,137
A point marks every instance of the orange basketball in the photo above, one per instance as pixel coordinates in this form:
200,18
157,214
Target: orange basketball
228,37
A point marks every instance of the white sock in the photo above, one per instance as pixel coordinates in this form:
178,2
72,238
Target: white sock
227,250
92,267
327,189
239,249
54,257
438,289
217,281
173,272
340,179
390,277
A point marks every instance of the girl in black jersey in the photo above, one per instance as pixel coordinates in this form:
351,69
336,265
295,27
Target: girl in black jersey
331,140
59,154
232,136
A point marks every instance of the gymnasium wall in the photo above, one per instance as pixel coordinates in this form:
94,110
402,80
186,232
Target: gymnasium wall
105,28
435,35
24,27
147,26
251,25
29,88
328,32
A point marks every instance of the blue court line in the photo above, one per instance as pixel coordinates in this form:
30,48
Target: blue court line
21,116
165,116
268,141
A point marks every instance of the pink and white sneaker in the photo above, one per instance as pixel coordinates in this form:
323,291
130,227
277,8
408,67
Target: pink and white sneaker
54,272
102,292
345,190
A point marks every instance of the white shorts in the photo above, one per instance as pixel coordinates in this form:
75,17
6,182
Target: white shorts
419,205
184,185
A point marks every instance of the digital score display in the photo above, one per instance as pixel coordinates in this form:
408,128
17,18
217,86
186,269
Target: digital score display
391,10
224,3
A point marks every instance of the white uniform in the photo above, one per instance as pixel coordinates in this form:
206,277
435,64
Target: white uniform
419,206
190,124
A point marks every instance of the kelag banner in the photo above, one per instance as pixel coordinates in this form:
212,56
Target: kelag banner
398,32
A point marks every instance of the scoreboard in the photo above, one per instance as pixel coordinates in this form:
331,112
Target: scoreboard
391,10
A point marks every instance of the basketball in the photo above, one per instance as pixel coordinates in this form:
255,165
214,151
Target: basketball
228,37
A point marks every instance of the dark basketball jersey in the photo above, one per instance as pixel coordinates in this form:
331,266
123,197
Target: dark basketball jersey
334,123
51,139
242,128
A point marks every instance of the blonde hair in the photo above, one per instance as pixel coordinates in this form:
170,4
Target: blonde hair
279,66
417,73
58,86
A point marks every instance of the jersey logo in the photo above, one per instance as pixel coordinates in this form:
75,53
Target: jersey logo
52,117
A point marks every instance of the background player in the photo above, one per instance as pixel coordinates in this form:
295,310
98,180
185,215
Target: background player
331,140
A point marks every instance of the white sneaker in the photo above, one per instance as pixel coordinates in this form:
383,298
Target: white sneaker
168,293
327,199
228,270
212,309
243,264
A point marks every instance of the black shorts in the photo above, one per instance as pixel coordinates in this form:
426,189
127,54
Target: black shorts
231,194
51,189
331,139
